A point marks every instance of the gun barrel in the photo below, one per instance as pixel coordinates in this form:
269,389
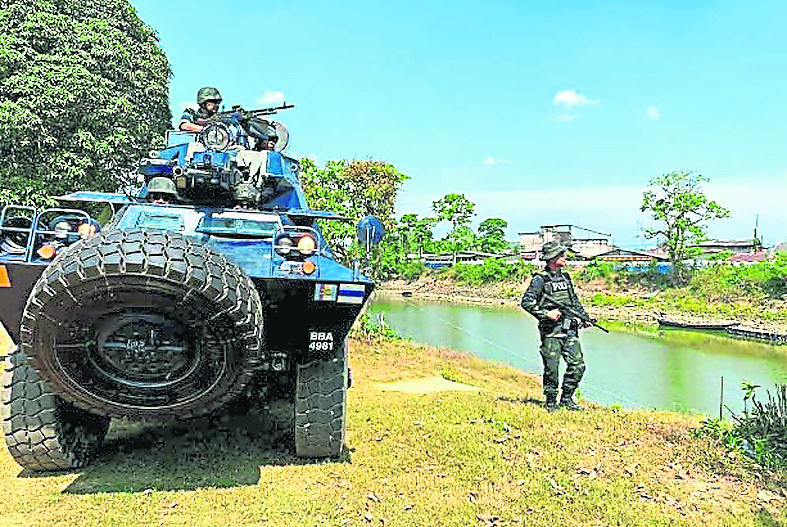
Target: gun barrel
272,110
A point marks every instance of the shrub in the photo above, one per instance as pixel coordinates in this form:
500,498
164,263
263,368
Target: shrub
411,270
726,282
490,271
760,432
596,270
377,331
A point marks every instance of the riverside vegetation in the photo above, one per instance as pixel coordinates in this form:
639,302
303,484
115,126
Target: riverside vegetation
490,457
753,294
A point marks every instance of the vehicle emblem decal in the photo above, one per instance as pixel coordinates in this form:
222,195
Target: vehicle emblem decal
351,293
325,292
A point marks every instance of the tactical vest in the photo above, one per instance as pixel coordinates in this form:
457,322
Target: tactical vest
558,286
198,114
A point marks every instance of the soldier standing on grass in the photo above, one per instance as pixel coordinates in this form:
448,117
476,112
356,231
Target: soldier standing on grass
559,331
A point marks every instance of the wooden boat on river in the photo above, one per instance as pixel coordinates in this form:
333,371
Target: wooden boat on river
778,339
733,329
705,326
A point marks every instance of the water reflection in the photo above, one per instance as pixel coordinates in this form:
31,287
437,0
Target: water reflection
676,370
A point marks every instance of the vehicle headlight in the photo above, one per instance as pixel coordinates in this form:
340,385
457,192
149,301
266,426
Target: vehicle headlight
283,245
307,245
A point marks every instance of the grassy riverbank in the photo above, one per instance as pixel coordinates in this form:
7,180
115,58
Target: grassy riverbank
489,457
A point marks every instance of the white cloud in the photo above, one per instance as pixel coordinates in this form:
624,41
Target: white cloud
570,98
653,113
270,98
489,161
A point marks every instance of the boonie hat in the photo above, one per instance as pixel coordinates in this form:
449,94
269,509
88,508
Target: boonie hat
552,250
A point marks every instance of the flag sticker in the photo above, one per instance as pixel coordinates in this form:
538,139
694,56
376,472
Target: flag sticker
351,293
325,292
4,280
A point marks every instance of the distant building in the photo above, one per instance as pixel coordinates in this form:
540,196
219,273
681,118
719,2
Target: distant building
585,246
746,246
780,247
631,256
748,258
437,261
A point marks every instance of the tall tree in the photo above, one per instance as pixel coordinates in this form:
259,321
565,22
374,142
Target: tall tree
353,189
416,232
492,235
463,238
457,209
83,94
681,210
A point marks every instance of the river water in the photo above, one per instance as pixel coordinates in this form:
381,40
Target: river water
672,370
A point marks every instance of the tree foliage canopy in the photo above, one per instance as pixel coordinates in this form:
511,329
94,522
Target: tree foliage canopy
83,93
681,210
416,233
353,189
492,235
455,208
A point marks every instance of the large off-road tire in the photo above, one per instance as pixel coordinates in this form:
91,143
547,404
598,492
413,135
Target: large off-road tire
321,406
42,431
144,324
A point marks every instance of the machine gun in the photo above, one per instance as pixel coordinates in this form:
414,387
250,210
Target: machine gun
573,312
239,114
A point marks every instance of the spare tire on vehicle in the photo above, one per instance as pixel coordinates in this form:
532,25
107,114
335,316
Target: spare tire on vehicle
141,323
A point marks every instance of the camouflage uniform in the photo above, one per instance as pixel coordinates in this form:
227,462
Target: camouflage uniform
193,116
205,94
559,338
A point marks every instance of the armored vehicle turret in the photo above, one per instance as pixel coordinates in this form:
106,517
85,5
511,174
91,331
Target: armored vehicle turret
208,289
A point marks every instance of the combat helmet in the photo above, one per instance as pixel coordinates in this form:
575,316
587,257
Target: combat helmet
552,249
208,93
162,185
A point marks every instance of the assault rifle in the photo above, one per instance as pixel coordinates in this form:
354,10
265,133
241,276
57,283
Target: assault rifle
574,312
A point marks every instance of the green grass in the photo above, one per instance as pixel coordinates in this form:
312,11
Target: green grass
450,458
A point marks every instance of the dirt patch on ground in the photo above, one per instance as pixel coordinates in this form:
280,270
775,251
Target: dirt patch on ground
426,385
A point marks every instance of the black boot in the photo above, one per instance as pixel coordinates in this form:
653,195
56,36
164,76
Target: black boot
567,402
551,403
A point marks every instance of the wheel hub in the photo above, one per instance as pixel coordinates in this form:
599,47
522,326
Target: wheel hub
143,347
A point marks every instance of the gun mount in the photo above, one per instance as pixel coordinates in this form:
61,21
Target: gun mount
236,160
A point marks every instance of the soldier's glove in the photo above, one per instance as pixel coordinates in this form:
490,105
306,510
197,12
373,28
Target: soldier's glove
588,323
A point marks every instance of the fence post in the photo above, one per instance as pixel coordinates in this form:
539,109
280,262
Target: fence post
721,397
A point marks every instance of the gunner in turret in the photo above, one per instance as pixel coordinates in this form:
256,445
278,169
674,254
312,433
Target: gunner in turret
208,99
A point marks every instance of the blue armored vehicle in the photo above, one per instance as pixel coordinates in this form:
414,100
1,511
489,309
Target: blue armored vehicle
210,289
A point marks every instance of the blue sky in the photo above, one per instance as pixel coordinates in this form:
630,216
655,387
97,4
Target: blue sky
539,112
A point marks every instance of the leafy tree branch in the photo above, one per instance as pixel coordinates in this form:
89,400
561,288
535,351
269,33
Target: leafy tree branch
680,209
